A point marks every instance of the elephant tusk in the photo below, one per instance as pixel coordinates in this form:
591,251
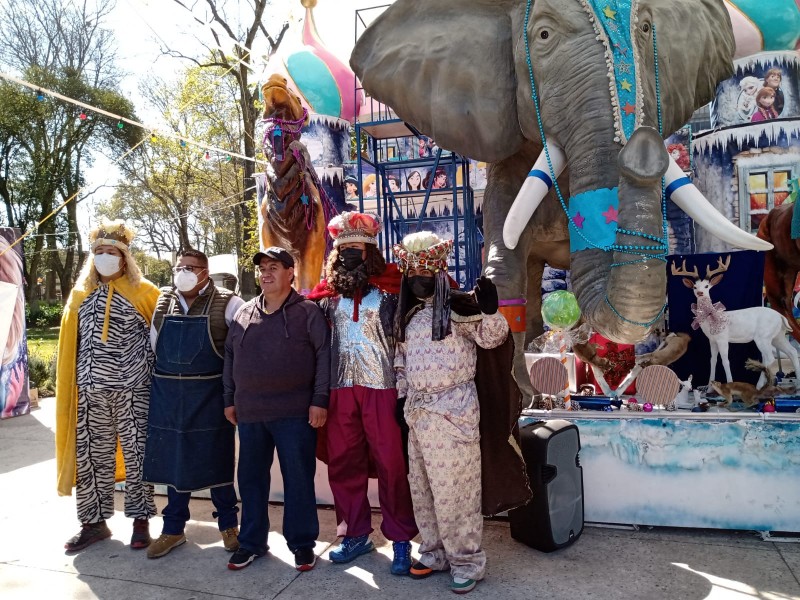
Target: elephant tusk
531,194
684,193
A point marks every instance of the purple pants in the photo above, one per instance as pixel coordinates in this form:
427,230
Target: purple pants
362,426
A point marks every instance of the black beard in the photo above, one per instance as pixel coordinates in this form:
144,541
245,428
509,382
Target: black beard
346,283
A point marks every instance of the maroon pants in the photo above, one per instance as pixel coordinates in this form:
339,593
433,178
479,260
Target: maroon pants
362,426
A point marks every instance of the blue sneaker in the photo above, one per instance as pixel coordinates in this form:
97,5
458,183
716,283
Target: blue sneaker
351,548
402,558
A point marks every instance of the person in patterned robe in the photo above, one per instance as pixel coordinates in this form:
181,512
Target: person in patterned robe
105,363
438,331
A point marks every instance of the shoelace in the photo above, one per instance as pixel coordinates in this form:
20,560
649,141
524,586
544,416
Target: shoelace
350,543
403,547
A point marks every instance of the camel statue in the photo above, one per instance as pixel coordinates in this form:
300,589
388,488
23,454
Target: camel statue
295,208
782,263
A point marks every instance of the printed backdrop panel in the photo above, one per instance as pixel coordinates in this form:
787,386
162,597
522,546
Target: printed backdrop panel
14,399
732,472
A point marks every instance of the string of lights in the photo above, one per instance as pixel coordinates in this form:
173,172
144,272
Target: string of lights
154,132
63,204
121,120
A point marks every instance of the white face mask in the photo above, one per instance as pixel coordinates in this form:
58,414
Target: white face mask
107,264
185,281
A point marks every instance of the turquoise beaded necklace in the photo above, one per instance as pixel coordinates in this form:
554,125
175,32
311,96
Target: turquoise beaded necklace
635,249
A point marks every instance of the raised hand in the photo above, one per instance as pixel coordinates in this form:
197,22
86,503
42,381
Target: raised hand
486,295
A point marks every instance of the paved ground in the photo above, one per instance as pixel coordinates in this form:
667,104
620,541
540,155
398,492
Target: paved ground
603,564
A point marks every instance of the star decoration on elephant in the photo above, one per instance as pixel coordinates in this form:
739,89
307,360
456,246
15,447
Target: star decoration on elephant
626,85
608,12
610,215
623,50
629,108
578,219
523,72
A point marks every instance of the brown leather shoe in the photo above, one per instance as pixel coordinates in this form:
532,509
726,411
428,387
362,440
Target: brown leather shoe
88,535
141,534
230,538
164,545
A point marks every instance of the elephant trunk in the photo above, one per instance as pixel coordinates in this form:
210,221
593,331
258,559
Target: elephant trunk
620,292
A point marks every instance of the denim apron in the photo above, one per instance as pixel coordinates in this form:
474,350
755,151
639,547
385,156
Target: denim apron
190,443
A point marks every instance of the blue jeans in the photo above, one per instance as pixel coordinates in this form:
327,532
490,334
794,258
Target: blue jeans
296,442
176,512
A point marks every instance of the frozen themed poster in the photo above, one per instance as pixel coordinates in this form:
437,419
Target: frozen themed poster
764,87
14,399
746,165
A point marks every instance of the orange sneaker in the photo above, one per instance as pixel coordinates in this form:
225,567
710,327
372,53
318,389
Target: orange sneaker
419,571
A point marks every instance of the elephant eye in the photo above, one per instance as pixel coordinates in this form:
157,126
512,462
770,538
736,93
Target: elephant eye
646,27
544,34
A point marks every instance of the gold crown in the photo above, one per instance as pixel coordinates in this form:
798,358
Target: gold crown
116,232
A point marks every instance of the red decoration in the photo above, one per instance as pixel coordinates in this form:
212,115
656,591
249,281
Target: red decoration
82,116
622,359
610,215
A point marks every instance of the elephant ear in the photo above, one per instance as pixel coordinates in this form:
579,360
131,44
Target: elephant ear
447,68
695,46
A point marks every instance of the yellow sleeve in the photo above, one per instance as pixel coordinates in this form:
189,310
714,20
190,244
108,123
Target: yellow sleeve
148,299
67,397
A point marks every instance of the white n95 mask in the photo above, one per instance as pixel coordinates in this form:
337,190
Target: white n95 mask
107,264
185,281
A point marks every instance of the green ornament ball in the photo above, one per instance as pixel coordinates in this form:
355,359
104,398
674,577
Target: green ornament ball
560,310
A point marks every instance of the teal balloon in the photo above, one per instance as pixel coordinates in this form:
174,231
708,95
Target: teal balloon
560,310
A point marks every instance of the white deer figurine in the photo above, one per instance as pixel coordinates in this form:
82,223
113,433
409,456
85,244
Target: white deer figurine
682,399
759,324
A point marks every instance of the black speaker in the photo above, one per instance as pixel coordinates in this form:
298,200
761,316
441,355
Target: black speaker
553,518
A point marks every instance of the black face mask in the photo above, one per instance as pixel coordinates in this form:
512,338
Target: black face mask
421,287
351,258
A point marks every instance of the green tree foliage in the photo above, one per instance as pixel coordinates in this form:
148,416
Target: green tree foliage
178,195
46,144
238,26
159,271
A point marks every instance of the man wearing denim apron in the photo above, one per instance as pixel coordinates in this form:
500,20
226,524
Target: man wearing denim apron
190,443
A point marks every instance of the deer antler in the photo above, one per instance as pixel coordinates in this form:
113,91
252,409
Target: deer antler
721,267
683,271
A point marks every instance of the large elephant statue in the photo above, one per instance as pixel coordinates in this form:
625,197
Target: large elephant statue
490,79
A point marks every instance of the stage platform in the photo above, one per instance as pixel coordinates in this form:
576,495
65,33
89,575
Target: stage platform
721,470
714,470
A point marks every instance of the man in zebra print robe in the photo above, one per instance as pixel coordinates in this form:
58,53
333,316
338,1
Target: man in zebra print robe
103,388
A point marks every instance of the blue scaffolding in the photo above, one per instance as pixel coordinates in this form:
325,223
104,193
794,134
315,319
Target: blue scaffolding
450,211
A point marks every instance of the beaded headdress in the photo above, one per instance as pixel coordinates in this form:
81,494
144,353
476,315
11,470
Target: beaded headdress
615,22
354,227
423,249
112,233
